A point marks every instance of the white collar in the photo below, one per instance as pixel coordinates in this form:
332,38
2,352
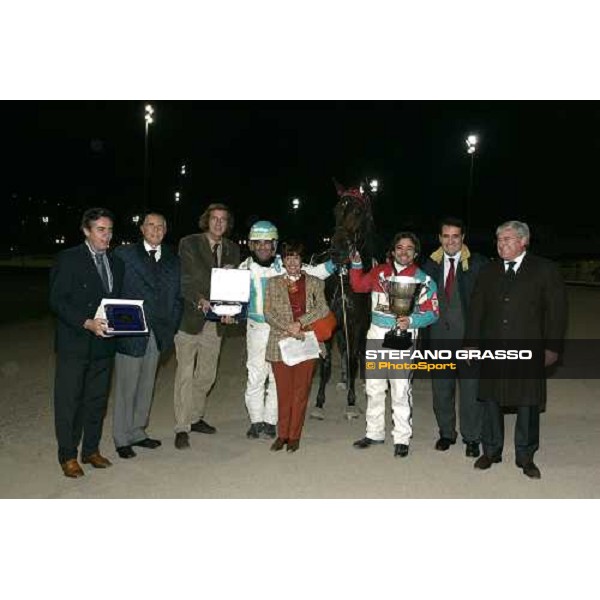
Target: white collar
518,260
149,247
92,251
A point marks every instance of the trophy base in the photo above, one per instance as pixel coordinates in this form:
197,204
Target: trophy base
397,341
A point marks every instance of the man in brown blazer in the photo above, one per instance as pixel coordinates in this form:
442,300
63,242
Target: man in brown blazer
520,298
198,341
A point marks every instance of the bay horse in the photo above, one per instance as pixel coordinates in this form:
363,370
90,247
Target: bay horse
354,231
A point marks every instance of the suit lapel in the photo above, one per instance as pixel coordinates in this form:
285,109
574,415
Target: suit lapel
525,265
310,291
205,249
143,264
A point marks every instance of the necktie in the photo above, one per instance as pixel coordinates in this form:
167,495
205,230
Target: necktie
99,258
215,253
450,280
510,272
152,255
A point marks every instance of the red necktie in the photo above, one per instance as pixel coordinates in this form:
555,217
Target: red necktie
450,280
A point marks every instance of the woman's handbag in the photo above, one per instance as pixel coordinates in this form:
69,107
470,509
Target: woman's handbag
324,327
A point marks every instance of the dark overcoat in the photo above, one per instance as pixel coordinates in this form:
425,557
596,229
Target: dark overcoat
533,307
159,286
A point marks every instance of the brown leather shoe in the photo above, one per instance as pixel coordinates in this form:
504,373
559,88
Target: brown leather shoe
278,444
97,461
72,468
293,445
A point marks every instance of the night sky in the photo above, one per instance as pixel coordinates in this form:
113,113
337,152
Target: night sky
257,156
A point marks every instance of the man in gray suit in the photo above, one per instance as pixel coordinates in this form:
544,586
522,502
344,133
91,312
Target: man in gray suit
198,341
455,268
152,274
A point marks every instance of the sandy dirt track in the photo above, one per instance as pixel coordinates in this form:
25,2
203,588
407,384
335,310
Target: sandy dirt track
227,465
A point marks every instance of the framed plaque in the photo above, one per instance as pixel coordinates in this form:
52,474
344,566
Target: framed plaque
124,317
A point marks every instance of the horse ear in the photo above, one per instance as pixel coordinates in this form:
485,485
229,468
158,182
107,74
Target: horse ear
339,188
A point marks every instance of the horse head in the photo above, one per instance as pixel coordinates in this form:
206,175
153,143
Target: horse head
354,225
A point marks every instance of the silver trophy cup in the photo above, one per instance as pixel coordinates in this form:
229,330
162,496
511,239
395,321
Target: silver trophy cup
402,293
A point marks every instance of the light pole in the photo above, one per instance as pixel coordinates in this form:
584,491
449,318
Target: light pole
295,215
148,119
471,142
181,190
175,207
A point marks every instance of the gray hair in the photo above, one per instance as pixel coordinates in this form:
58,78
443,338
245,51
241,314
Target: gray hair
522,229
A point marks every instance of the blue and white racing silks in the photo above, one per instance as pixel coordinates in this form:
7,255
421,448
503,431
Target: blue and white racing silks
260,275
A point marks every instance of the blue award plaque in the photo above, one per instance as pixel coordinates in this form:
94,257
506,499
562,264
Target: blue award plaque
125,319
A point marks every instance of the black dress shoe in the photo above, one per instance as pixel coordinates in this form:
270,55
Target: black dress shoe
148,443
125,452
444,444
182,440
366,442
269,431
531,470
401,450
485,462
254,432
202,426
472,449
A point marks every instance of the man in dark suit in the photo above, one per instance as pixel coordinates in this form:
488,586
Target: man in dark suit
454,268
82,276
198,341
152,274
521,298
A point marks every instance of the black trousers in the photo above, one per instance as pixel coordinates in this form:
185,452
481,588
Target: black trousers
527,431
81,389
470,409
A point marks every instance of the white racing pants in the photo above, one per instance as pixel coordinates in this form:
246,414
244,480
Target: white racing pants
401,394
261,407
